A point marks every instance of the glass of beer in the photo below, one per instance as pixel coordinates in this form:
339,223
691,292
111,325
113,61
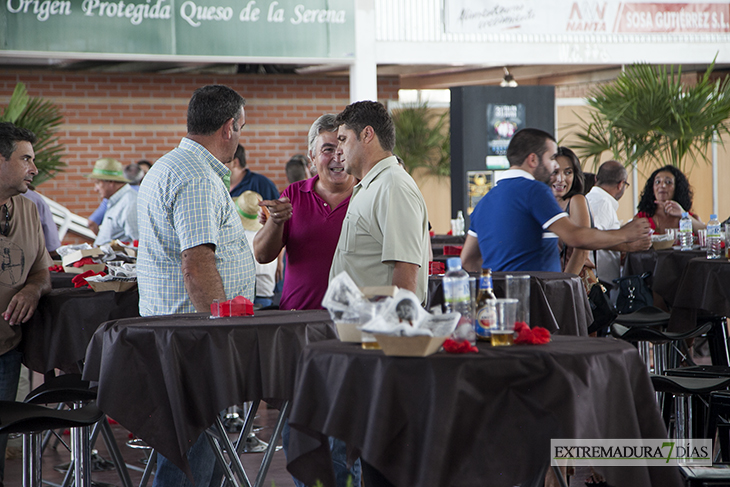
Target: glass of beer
503,326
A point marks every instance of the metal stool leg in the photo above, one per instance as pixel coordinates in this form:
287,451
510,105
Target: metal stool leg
81,446
113,449
149,468
32,464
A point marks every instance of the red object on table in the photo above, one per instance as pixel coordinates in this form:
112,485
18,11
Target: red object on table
436,268
452,346
453,249
56,268
238,306
84,261
534,336
80,279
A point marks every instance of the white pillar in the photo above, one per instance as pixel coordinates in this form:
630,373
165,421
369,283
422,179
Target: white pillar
714,176
364,73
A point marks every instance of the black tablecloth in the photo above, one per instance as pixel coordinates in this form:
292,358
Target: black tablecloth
59,331
61,280
687,282
473,419
166,378
558,301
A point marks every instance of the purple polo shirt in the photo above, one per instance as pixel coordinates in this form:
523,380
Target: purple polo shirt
310,237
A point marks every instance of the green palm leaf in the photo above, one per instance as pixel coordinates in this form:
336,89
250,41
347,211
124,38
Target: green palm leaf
422,140
43,118
647,115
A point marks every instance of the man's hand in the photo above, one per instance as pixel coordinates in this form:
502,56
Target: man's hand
639,245
24,303
21,307
279,210
637,229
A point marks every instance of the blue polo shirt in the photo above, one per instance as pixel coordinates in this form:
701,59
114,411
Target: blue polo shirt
510,223
253,181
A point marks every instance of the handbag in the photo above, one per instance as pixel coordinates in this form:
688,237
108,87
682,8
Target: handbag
603,311
633,293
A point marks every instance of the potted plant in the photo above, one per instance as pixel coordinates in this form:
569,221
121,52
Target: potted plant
422,139
43,118
648,116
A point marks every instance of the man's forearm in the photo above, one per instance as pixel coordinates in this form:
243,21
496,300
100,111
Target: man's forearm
202,280
267,243
39,282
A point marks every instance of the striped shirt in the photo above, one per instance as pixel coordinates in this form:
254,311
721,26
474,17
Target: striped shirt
183,203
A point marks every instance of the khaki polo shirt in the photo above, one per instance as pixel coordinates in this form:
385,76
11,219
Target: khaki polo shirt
23,252
386,221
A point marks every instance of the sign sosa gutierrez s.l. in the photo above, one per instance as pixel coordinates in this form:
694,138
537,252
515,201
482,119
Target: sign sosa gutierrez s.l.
248,28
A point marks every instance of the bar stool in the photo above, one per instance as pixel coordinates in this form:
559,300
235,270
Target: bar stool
666,345
682,389
31,420
648,316
70,388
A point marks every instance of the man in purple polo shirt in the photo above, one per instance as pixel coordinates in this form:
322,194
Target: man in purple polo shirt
307,220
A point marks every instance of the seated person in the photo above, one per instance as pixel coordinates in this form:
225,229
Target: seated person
120,219
567,186
666,195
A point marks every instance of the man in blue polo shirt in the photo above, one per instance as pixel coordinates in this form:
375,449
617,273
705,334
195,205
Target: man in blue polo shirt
516,225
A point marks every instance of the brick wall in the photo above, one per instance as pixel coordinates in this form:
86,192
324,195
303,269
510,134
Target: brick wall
142,116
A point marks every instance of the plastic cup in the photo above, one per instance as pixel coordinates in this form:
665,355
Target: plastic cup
503,324
673,232
518,287
702,237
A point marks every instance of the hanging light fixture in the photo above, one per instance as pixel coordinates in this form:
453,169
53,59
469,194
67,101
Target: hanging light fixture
508,81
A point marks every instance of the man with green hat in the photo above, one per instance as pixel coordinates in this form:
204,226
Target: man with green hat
120,219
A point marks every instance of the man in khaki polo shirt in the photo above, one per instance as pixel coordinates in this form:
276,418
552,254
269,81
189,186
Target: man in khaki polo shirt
384,238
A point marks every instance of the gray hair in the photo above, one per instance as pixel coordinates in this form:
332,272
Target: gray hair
325,123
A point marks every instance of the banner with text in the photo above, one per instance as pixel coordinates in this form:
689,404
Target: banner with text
238,28
573,16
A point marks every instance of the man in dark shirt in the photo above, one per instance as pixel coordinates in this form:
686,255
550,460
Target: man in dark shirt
243,179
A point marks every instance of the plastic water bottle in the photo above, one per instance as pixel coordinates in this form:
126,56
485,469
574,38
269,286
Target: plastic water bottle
714,241
457,297
460,220
685,232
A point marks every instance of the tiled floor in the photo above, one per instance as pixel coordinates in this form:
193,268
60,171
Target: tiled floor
277,475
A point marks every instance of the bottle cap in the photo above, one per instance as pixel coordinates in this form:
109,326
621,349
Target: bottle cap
713,217
685,214
453,263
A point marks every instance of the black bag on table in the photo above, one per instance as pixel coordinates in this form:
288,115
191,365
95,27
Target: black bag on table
633,293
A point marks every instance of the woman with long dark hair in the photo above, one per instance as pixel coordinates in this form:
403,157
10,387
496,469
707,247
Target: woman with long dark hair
666,195
567,186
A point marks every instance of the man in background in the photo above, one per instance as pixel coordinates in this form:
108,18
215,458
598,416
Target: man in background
296,169
515,226
192,248
603,201
243,179
50,230
120,218
24,275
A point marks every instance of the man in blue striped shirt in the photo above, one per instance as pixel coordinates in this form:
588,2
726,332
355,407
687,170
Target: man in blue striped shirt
192,247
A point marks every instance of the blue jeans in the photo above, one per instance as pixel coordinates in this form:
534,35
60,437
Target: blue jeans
9,375
338,450
203,463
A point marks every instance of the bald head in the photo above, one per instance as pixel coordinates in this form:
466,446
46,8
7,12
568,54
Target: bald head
611,177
